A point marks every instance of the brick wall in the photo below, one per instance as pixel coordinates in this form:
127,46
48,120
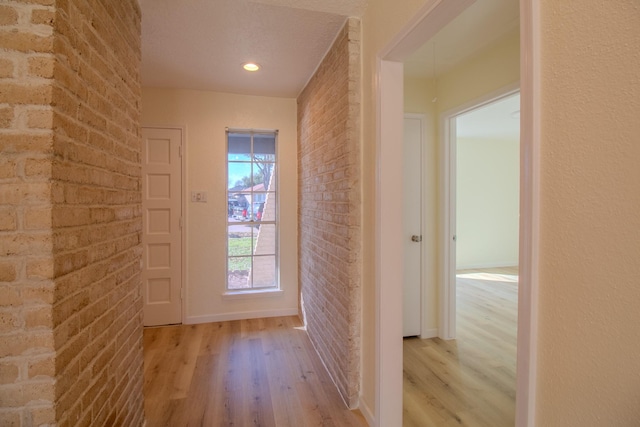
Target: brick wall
329,210
27,353
71,326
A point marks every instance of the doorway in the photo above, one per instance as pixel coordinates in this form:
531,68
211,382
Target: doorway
390,103
477,361
481,187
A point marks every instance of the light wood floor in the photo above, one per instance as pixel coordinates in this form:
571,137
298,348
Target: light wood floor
469,381
261,372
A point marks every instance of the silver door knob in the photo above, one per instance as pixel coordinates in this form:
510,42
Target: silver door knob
415,238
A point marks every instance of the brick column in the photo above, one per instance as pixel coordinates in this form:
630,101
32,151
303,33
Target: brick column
70,312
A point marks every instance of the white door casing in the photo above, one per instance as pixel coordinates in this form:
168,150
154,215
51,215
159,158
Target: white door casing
412,218
389,104
162,231
448,147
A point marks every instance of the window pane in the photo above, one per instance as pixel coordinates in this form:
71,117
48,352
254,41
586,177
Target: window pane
264,271
239,147
265,240
238,207
262,176
252,210
257,207
238,273
263,206
272,185
239,176
264,146
240,240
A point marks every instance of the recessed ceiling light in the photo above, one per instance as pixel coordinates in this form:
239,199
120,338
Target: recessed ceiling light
251,66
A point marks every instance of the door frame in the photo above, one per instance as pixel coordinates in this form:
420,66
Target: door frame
389,108
448,203
183,214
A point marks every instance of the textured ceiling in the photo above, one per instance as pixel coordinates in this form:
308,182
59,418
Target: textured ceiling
201,44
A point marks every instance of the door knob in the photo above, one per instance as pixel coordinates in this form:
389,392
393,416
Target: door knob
415,238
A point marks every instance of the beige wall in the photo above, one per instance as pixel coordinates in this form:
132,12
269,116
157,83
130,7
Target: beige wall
205,115
329,215
588,346
71,316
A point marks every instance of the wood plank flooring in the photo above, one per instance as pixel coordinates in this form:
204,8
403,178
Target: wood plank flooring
469,381
261,372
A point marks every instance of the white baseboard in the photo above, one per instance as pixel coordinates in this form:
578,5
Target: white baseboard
192,320
366,412
429,333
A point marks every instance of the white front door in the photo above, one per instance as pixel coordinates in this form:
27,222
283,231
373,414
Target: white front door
162,233
412,220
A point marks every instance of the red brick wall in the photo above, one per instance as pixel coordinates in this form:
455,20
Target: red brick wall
329,210
69,111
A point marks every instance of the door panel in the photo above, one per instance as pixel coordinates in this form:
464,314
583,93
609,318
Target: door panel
162,234
411,215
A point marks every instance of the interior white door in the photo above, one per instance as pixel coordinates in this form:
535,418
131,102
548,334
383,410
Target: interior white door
162,234
412,216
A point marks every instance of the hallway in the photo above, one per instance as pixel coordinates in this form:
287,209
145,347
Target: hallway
259,372
469,381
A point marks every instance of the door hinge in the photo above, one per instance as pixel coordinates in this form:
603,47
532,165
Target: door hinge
180,150
181,293
181,222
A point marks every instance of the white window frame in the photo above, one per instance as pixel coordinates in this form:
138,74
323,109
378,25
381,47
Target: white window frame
275,222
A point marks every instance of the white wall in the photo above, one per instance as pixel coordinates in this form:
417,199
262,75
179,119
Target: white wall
205,115
487,203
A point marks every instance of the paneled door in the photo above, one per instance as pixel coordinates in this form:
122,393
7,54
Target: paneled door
162,220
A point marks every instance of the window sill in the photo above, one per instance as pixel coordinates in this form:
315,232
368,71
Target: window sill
262,293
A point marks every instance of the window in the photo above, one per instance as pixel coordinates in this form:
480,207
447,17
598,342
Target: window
252,210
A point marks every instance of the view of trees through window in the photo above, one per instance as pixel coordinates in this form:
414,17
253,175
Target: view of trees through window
252,226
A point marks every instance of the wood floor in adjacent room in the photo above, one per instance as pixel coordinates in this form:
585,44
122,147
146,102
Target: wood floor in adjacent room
469,381
261,372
